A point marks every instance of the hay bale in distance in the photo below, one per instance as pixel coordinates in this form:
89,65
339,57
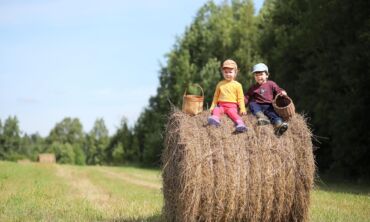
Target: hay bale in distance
211,174
46,158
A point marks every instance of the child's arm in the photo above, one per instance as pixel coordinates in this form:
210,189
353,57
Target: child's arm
248,96
215,98
278,90
240,96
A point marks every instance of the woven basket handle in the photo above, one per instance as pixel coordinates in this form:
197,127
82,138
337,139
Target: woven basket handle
280,94
194,84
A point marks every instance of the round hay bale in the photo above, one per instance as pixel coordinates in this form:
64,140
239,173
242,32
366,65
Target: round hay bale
211,174
46,158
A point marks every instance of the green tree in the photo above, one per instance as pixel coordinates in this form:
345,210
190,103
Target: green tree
118,154
121,148
37,145
25,148
67,131
68,134
10,139
148,133
2,149
96,142
14,146
64,152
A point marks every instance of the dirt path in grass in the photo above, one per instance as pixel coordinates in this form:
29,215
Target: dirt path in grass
84,188
127,178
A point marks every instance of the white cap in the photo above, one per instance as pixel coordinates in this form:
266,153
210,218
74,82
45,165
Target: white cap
260,67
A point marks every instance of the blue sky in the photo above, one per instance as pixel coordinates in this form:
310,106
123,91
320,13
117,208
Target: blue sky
87,59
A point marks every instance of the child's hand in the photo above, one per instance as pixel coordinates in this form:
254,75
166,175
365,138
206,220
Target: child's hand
243,113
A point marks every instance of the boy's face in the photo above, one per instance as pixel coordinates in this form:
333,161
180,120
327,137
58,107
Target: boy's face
260,77
229,73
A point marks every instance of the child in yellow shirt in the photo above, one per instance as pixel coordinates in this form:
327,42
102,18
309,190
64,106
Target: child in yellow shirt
228,97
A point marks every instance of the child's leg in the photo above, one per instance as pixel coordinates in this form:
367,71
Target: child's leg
274,117
232,112
280,126
258,111
216,114
255,107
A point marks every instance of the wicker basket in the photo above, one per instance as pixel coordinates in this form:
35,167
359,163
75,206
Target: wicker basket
193,104
284,106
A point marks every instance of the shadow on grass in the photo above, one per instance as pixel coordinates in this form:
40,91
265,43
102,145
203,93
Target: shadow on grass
155,218
337,185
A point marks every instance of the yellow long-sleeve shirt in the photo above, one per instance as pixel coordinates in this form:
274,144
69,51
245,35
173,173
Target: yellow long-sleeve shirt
229,91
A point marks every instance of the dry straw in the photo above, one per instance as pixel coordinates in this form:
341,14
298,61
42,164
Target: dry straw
211,174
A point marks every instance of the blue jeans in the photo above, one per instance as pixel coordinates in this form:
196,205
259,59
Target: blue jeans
266,109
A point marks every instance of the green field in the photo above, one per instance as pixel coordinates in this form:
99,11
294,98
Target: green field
41,192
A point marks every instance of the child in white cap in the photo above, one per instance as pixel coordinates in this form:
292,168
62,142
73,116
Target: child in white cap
228,98
260,96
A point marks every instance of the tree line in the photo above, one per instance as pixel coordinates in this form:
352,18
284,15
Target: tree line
318,50
69,143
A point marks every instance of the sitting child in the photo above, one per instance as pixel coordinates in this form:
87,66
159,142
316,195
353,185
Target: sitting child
228,97
260,97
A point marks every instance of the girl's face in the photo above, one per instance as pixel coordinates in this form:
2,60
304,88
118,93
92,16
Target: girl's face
229,73
260,77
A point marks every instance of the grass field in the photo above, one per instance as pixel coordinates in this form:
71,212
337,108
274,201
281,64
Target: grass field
39,192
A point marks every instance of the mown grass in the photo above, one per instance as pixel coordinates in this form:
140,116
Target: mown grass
150,175
32,192
133,202
36,192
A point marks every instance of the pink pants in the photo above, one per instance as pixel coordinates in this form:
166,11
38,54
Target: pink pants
230,109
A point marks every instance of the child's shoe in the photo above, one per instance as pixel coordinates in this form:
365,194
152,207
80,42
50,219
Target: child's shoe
281,128
262,119
240,126
213,121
